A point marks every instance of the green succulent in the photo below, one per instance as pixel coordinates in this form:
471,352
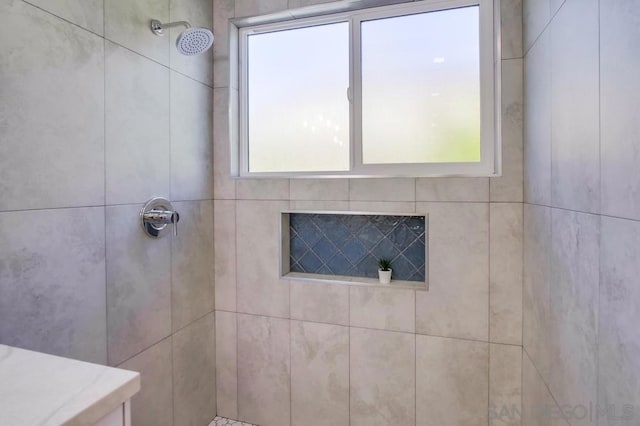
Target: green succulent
384,264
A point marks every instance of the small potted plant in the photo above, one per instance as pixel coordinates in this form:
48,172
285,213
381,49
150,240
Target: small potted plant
384,270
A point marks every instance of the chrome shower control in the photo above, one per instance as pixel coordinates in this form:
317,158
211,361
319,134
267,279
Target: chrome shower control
156,216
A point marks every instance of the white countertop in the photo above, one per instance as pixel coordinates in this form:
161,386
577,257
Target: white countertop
41,389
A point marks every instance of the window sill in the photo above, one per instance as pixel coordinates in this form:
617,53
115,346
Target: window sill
358,281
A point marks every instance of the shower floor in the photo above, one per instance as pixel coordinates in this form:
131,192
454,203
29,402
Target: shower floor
221,421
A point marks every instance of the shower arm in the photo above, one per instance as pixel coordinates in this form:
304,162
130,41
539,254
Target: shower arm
158,27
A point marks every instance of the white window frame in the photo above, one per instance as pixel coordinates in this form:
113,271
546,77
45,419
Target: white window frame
490,143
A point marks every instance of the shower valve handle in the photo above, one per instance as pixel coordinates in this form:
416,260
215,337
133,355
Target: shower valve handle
157,215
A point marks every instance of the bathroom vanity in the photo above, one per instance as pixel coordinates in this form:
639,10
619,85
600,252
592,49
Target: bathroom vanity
42,389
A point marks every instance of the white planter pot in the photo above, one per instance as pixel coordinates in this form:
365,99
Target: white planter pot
385,276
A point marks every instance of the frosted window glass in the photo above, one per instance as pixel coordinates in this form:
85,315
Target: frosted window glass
297,97
421,88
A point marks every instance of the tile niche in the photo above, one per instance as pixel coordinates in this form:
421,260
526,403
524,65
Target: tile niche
345,247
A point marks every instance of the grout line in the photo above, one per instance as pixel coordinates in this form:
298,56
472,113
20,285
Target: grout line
104,153
489,234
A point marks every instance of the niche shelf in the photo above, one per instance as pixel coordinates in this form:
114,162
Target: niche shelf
344,247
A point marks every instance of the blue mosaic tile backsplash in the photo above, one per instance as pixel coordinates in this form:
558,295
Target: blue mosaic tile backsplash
343,244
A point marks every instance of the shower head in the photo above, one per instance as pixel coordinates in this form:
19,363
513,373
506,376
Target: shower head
192,41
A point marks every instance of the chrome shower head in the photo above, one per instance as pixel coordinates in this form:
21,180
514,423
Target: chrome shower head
192,41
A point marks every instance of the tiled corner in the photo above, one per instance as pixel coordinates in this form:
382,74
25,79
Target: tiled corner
226,364
511,27
319,374
538,405
194,373
223,10
382,377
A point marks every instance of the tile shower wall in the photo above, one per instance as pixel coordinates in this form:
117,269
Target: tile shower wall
297,353
98,115
582,222
340,244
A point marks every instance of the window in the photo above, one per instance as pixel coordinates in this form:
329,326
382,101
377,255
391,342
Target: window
402,90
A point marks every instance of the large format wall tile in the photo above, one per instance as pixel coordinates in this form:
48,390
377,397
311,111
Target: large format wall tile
320,302
382,377
259,288
88,14
511,28
224,229
52,282
620,108
226,364
137,127
319,374
191,139
537,124
264,393
396,189
383,308
505,266
505,385
192,284
224,187
575,130
535,16
262,189
199,13
574,308
128,24
259,7
153,405
194,373
319,189
457,302
451,382
509,186
619,334
536,285
452,189
52,111
223,10
138,285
